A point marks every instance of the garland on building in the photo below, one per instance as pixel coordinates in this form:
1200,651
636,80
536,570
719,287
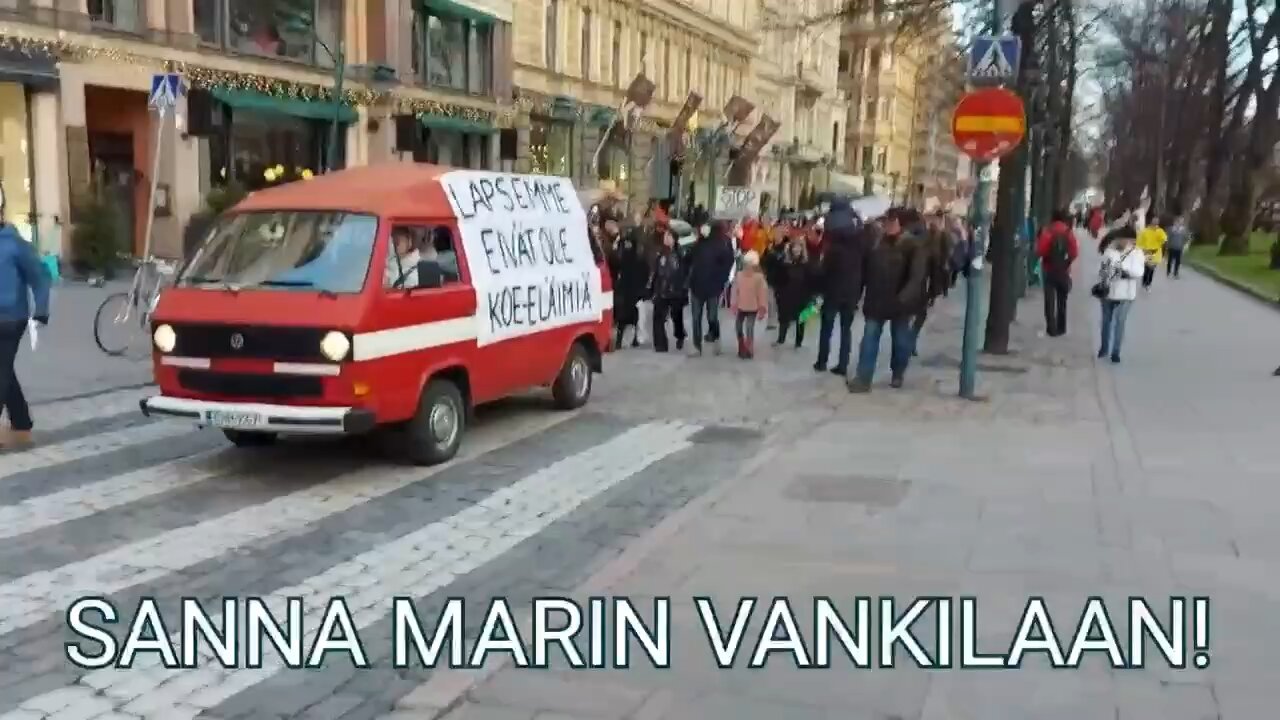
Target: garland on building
205,77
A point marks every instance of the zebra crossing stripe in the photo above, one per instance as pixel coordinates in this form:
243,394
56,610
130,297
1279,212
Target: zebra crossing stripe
75,503
64,413
81,448
416,565
32,598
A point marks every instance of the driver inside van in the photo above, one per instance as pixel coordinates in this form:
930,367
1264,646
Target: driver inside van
402,263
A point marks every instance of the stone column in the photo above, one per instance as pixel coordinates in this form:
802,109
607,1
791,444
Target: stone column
50,172
76,140
638,187
524,163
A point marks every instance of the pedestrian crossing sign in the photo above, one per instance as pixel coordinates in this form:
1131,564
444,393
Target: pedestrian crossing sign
165,89
994,59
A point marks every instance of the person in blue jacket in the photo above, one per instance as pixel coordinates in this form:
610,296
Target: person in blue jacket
22,278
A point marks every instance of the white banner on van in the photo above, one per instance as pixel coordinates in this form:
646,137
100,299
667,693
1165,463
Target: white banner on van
527,250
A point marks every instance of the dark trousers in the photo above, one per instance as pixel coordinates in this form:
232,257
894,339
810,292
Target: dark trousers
830,312
1148,275
663,309
1055,307
1175,263
708,309
785,325
12,401
917,326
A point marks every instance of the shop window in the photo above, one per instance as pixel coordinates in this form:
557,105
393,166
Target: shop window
551,147
291,29
419,258
614,157
123,15
15,159
452,53
269,149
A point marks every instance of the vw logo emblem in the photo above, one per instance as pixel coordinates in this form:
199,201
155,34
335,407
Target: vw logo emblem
237,341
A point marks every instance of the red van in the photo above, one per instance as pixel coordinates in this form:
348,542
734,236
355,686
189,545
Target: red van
392,298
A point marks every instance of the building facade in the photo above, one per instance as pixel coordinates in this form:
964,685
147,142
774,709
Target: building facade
574,61
902,89
796,73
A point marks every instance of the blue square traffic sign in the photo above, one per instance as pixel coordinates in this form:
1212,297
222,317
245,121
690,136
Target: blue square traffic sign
994,60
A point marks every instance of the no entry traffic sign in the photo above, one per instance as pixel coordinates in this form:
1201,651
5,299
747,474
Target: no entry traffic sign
988,124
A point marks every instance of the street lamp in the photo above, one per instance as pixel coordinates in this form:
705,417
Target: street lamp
378,75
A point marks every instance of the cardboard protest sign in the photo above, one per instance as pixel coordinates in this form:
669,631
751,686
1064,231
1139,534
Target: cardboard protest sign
527,250
735,202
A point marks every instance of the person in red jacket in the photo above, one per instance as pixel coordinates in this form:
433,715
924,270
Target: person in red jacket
1057,249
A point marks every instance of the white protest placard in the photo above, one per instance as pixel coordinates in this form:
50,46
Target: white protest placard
735,202
526,245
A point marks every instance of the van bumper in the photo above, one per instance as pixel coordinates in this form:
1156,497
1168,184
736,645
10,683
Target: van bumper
258,417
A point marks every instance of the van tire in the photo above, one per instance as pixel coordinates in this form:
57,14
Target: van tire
246,439
434,434
572,387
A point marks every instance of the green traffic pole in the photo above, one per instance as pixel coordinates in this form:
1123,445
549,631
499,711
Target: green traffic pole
339,74
973,288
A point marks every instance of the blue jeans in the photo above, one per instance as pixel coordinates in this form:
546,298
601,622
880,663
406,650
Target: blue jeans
902,341
1114,315
708,308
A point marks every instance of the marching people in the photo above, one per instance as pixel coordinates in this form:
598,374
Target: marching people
630,278
895,278
22,279
1151,241
793,289
1057,249
710,264
1179,237
667,289
748,302
1122,264
841,266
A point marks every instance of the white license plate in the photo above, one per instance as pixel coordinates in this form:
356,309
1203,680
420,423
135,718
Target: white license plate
232,419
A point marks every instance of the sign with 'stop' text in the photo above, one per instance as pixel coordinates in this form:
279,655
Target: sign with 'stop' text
735,202
526,245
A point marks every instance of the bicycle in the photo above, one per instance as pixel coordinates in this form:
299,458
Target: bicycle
122,325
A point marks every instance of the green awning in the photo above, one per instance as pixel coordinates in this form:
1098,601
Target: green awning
293,107
454,124
458,10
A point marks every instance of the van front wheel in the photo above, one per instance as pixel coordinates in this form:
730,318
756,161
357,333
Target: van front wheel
434,434
572,387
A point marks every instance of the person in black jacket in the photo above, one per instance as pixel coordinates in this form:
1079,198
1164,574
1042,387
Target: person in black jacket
841,278
668,288
630,278
793,288
895,293
710,263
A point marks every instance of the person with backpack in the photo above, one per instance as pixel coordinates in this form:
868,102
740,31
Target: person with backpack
1057,249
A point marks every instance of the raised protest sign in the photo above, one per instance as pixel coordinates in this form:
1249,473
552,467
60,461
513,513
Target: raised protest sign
526,245
736,202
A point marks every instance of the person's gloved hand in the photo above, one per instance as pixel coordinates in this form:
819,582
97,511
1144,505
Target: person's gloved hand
42,319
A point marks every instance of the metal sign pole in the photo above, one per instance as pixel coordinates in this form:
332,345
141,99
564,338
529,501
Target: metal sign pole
161,120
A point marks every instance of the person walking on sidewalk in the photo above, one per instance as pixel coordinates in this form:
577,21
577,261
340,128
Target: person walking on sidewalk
630,274
668,289
936,246
841,263
1151,241
1058,249
895,276
793,290
748,301
1179,239
1122,264
710,263
22,280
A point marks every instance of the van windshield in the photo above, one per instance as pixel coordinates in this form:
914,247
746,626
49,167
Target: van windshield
286,250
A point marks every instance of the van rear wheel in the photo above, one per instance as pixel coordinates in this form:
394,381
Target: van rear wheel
245,439
572,387
434,434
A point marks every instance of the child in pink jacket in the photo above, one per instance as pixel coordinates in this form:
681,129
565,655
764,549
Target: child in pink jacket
748,300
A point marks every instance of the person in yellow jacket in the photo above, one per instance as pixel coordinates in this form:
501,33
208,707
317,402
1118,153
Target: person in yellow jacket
1151,241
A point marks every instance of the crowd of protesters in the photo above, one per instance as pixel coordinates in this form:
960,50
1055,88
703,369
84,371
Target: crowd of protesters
784,271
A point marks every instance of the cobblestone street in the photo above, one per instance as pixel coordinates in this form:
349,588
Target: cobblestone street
683,477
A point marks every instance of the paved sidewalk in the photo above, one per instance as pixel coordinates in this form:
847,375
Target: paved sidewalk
67,362
1076,479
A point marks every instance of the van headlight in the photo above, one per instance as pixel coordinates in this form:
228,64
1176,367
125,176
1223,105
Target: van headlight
165,338
335,346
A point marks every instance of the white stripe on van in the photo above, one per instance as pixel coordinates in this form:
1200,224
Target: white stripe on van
394,341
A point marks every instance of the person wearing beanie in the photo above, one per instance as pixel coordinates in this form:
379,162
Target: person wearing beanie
748,301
